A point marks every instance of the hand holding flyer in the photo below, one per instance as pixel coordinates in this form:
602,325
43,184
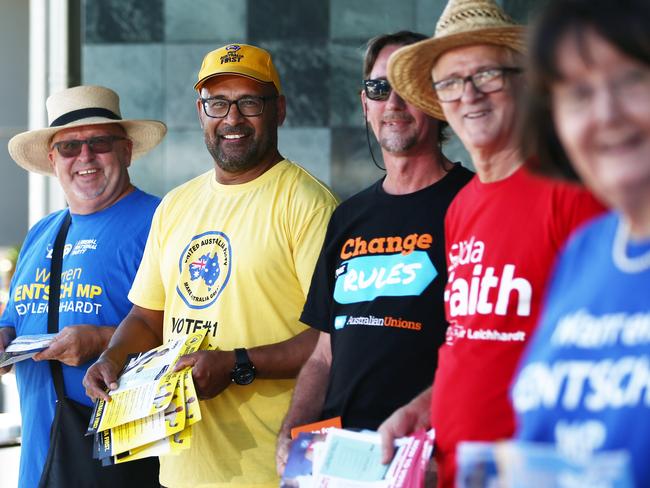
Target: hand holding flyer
343,458
153,408
24,347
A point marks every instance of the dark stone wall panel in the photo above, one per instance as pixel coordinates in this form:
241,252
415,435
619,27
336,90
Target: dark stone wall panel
113,21
288,19
352,167
346,66
304,74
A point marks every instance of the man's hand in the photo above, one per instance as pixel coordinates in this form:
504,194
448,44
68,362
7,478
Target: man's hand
101,375
210,371
404,421
141,330
75,345
7,334
282,453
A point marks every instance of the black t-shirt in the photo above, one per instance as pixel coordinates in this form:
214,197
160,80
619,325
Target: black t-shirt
377,289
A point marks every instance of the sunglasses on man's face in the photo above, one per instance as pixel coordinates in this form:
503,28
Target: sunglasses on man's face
378,90
97,145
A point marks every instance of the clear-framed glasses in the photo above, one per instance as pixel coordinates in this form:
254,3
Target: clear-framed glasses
630,87
378,89
248,106
485,81
97,145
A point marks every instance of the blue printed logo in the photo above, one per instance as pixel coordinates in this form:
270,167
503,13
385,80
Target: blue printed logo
339,321
204,267
394,275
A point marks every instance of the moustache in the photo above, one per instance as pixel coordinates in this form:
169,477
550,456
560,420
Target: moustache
230,130
396,117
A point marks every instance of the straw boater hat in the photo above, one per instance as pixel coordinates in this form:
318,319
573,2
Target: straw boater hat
462,23
81,105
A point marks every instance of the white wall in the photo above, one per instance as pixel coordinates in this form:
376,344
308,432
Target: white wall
14,85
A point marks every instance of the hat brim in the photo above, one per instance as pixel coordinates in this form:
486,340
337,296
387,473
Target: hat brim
409,68
30,149
243,71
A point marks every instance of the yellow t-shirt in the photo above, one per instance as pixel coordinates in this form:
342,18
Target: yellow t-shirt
237,259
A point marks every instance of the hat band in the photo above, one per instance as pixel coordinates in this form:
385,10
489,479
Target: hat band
84,113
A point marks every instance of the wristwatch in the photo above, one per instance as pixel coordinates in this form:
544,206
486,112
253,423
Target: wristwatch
244,371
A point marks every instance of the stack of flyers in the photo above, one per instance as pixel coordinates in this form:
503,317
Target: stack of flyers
519,462
476,465
343,458
24,347
152,411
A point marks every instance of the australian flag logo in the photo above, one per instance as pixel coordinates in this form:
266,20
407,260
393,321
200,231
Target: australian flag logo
206,268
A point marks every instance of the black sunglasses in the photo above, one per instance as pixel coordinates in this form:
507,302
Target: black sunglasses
378,90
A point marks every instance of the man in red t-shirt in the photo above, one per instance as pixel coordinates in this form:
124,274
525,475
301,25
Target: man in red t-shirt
502,231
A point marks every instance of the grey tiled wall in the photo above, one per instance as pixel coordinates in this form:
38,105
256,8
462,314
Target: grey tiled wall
149,51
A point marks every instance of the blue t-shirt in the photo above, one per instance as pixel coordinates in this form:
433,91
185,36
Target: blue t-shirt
584,382
101,256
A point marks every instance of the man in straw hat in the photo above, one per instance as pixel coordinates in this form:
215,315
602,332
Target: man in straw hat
502,231
233,251
393,230
88,147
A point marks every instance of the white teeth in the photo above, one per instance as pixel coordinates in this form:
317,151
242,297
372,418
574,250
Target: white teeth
87,172
233,136
475,115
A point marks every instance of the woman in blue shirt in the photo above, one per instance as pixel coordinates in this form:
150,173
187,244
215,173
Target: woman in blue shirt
584,383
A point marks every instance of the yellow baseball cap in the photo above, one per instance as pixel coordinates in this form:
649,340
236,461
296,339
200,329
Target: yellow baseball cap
239,59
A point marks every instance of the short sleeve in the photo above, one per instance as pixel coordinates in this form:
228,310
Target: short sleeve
308,244
316,312
573,206
147,290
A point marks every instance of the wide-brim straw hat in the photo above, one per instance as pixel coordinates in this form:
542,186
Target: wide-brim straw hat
74,107
462,23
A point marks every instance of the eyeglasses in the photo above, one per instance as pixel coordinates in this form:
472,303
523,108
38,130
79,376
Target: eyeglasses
248,106
97,145
485,81
378,90
577,97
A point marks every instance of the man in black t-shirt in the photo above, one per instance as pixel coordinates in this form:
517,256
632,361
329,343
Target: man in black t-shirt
377,291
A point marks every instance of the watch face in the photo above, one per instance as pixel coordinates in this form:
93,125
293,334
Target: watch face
243,375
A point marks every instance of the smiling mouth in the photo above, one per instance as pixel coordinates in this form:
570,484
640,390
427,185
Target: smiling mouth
85,172
476,115
231,137
620,144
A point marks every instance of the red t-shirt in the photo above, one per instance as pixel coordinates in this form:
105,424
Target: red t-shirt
501,241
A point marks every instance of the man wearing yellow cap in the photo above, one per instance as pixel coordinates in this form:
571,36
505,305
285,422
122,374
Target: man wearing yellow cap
231,251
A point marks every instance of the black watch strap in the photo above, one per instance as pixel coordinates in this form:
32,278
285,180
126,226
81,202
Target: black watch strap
241,357
244,371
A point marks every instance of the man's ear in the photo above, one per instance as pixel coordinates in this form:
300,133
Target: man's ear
364,103
199,110
282,109
50,156
128,152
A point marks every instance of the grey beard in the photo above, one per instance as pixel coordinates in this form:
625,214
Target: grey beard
400,144
233,163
